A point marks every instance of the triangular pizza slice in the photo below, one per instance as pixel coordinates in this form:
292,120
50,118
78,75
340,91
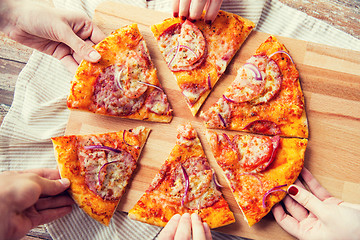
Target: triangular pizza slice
198,53
258,169
99,167
185,183
123,83
264,98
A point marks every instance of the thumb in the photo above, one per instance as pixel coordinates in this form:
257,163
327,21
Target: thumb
53,187
83,49
309,201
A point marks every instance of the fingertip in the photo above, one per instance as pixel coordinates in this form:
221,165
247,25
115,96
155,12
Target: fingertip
65,182
293,190
94,56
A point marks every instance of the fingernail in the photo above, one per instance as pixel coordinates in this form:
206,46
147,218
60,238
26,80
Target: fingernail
186,215
94,55
176,216
65,182
191,20
208,21
183,18
175,14
293,190
195,215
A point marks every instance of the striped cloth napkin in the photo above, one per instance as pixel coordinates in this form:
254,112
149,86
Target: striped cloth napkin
39,109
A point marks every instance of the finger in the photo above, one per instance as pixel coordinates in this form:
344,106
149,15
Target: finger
169,230
184,7
207,231
176,8
294,208
97,35
349,205
53,187
314,186
49,215
184,228
48,173
197,227
53,202
77,57
288,223
70,63
212,11
196,9
309,201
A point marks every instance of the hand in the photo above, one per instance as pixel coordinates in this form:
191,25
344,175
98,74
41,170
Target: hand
180,227
30,198
66,35
193,9
317,215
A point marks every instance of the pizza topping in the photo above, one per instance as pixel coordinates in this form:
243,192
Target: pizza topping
249,82
106,172
284,52
253,175
273,82
209,81
216,181
108,95
183,46
274,189
255,151
101,147
124,132
186,185
218,115
263,127
192,92
186,135
157,102
152,85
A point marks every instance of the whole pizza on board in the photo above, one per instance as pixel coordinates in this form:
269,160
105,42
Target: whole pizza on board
198,53
123,83
99,167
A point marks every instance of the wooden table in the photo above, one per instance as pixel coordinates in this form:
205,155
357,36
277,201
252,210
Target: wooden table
342,14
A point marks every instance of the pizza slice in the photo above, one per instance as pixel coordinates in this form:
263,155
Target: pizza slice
258,169
264,98
123,83
198,53
99,167
185,183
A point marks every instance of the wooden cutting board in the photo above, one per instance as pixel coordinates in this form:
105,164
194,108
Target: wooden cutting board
330,78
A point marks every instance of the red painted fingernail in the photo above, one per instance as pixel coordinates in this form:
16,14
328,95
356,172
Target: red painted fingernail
191,20
183,18
175,14
208,21
293,190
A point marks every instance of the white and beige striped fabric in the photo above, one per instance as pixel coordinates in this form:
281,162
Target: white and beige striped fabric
39,109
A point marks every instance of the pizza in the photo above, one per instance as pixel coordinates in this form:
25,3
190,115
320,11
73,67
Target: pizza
257,168
265,96
123,83
99,166
198,53
185,183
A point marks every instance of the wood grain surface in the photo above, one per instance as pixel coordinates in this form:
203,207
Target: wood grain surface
330,78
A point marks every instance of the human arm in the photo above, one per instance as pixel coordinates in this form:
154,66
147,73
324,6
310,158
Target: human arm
193,9
30,198
65,35
315,214
185,226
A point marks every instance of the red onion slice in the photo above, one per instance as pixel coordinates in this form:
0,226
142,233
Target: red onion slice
228,99
183,46
222,120
274,189
216,181
255,70
101,147
151,85
102,167
187,183
209,81
137,147
283,53
117,79
176,53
